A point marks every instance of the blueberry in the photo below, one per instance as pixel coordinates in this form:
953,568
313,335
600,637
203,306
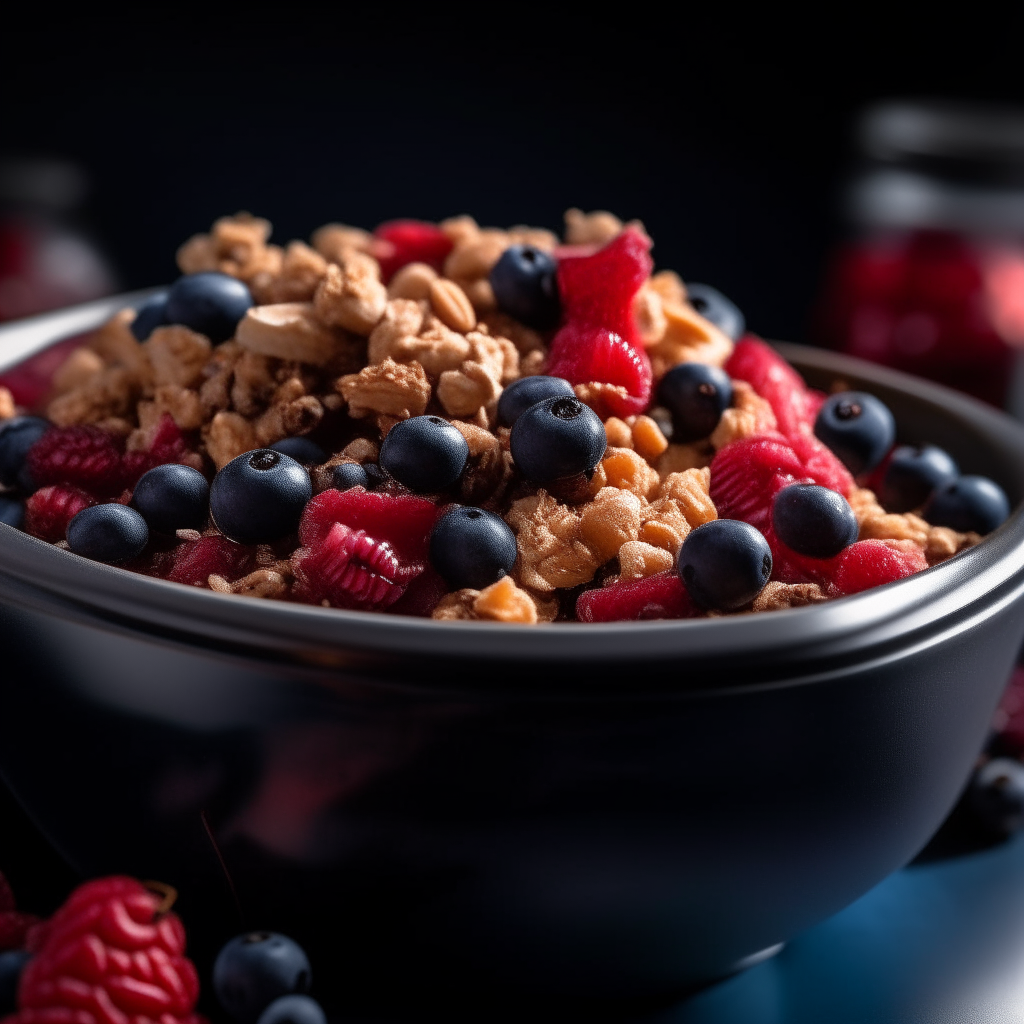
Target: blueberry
11,966
968,504
12,510
559,437
528,391
108,533
259,497
348,475
525,286
858,428
150,315
302,450
813,520
253,970
912,475
17,435
724,564
172,498
209,303
293,1010
714,306
472,548
426,453
696,395
996,795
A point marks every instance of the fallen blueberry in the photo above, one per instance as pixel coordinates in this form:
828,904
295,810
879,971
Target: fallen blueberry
302,450
293,1010
349,474
150,315
996,794
17,435
11,966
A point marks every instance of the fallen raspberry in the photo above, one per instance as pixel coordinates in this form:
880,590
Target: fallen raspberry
870,563
109,956
85,457
599,341
661,596
400,242
50,509
194,561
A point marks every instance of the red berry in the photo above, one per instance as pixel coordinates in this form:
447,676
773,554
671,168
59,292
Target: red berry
50,509
746,475
409,241
422,594
168,444
870,563
662,596
86,457
196,560
108,956
599,341
14,927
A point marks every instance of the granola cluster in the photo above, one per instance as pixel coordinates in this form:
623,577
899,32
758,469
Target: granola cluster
348,336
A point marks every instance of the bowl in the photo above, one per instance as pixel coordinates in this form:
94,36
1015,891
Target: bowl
591,813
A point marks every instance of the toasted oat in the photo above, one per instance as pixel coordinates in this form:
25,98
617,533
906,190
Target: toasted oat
750,414
177,355
265,583
288,419
302,270
638,559
601,397
624,468
505,602
690,491
777,596
688,338
473,258
551,552
609,521
227,436
351,294
669,285
389,388
456,607
288,330
618,433
463,392
647,438
183,405
110,393
649,314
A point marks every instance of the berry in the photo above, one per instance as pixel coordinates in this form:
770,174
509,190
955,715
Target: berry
193,562
813,520
661,596
524,285
599,341
293,1010
426,453
167,444
209,303
858,428
11,966
302,450
108,533
557,438
111,954
84,457
363,550
714,306
996,795
472,548
50,509
696,395
775,381
400,242
969,504
349,474
172,498
872,563
253,970
258,497
150,315
724,564
12,510
912,474
17,436
521,394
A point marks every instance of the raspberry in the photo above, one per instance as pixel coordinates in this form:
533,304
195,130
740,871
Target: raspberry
661,596
109,957
746,475
409,241
86,457
599,341
167,445
870,563
363,550
194,561
50,509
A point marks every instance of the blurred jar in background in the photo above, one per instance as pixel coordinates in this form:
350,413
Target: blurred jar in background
45,261
932,281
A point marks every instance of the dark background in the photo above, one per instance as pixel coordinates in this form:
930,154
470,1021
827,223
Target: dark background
726,133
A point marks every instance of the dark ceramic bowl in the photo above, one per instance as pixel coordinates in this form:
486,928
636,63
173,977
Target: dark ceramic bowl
616,811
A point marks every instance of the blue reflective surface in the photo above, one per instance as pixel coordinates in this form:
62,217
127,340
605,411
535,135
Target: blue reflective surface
933,943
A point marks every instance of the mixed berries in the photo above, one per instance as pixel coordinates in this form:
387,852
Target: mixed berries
596,385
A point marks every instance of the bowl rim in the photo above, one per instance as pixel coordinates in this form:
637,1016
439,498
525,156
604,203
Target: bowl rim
976,582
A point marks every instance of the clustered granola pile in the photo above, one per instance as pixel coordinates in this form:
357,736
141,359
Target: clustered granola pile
360,331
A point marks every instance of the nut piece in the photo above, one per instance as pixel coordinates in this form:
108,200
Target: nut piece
287,330
648,440
351,295
389,388
505,602
452,307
